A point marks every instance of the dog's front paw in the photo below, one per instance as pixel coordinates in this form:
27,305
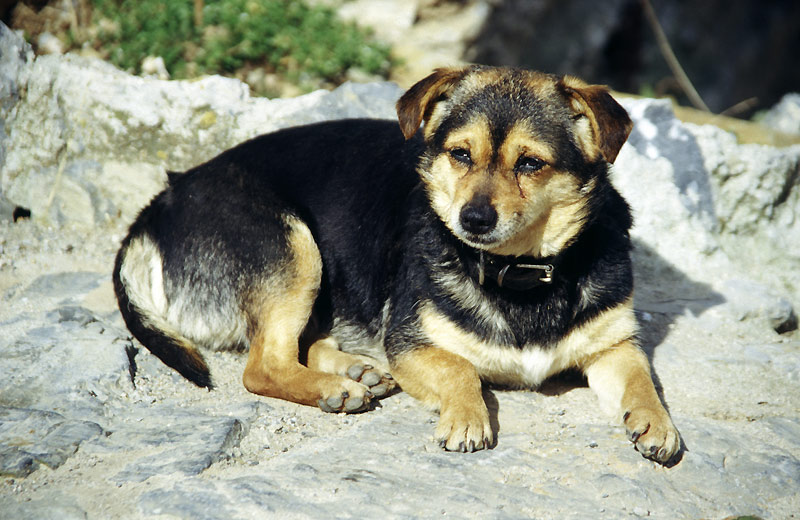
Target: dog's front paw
351,397
464,429
379,382
652,432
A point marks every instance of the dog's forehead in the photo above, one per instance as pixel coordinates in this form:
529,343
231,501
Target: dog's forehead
526,94
507,101
510,81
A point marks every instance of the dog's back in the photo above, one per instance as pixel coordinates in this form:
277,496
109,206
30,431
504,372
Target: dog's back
217,228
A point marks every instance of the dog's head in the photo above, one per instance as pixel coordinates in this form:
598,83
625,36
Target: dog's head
512,156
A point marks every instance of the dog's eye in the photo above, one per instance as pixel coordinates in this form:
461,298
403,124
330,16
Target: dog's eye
527,164
461,155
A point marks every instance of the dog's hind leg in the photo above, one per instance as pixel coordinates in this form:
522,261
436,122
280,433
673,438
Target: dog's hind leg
324,355
278,311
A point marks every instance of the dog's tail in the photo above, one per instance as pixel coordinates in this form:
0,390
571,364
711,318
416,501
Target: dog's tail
138,283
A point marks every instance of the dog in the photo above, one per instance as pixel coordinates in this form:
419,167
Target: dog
489,246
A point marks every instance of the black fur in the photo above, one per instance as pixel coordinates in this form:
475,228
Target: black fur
600,257
161,345
355,184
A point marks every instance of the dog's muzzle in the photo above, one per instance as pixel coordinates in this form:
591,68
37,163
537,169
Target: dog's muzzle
478,217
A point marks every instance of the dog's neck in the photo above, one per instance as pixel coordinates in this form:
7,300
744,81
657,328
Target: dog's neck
514,273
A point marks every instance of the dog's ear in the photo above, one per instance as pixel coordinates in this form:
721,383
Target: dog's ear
609,122
418,101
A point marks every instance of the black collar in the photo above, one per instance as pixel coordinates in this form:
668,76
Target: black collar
517,273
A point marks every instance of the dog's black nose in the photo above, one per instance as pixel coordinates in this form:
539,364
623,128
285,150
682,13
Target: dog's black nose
478,216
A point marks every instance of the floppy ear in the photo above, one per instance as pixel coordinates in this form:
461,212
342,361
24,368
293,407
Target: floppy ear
609,121
418,101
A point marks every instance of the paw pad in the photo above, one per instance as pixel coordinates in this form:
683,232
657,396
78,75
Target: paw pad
344,403
379,383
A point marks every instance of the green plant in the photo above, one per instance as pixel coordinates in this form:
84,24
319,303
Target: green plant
286,36
134,29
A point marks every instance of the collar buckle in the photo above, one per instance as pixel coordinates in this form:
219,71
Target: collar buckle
546,269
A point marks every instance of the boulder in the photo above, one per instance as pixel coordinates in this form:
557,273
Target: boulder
91,144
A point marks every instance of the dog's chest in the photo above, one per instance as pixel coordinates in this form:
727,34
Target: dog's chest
525,366
530,364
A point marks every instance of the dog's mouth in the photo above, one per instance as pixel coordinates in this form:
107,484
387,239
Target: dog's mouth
484,238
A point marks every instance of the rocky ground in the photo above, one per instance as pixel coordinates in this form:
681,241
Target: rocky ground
93,426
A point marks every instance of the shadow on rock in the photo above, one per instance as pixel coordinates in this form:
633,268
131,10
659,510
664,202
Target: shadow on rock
662,294
493,405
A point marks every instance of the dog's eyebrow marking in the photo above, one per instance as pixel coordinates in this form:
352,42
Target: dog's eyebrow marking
520,141
473,136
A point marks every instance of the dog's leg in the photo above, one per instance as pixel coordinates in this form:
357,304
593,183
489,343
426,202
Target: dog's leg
621,378
324,355
449,383
279,311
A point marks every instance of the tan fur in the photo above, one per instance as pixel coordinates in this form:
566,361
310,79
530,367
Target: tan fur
560,220
610,125
538,214
324,355
273,368
414,106
604,348
620,376
447,382
552,200
529,366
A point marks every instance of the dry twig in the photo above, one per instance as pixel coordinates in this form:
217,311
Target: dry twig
669,56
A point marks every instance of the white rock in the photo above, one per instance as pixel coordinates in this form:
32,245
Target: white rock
660,172
154,66
712,208
389,19
785,116
755,187
83,122
46,43
751,300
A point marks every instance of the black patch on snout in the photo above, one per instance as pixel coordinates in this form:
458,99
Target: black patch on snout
478,216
